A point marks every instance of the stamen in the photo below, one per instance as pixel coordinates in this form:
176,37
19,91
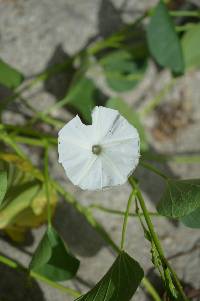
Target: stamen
96,149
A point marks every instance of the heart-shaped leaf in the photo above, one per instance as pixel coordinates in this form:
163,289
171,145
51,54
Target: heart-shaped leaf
3,185
52,260
9,77
192,220
163,40
119,283
131,116
180,198
191,47
122,71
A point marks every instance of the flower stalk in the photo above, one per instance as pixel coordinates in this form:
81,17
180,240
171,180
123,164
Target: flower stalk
124,228
46,182
156,239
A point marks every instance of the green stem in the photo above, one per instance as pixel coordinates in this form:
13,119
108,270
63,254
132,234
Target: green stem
88,216
153,169
112,41
98,227
39,78
14,265
185,13
152,104
57,123
115,40
120,212
124,228
9,141
46,183
150,289
181,158
29,141
40,115
92,221
185,27
156,239
25,131
146,235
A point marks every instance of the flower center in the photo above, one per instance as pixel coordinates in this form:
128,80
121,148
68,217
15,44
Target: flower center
96,149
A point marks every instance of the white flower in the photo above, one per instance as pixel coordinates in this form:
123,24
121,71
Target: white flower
100,155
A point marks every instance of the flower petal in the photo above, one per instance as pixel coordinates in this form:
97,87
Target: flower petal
121,146
93,177
76,133
119,156
103,120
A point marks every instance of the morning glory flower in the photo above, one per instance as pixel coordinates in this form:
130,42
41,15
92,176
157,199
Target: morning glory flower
99,155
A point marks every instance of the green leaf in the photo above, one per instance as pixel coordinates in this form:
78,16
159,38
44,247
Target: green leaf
163,40
9,77
52,260
192,220
82,97
180,198
17,199
3,185
191,47
132,117
122,71
119,283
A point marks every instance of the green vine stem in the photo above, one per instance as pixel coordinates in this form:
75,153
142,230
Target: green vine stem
113,41
84,211
46,183
102,232
153,103
120,212
156,239
185,27
153,169
179,158
124,228
148,286
7,139
37,139
14,265
55,69
29,141
185,13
